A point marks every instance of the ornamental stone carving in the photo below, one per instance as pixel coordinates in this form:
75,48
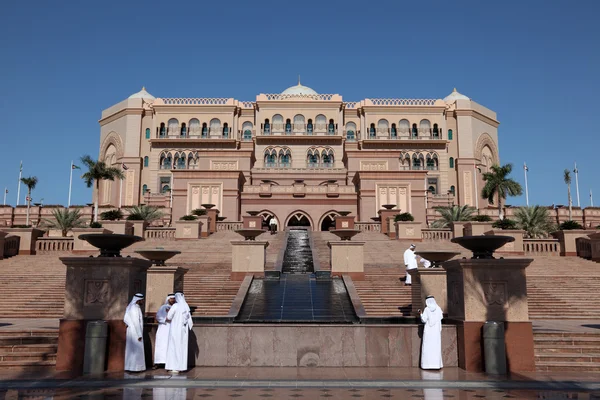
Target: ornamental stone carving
96,292
495,293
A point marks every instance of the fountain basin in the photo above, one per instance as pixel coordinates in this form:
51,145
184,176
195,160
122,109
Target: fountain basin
253,213
249,233
345,234
483,246
388,206
207,206
437,256
158,256
344,213
110,244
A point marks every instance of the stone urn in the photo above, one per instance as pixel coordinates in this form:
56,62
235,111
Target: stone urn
388,206
110,244
437,256
253,213
345,234
158,255
484,246
208,206
249,233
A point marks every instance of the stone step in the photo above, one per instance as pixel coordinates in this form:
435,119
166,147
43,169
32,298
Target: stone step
24,348
567,341
27,340
565,366
28,356
27,364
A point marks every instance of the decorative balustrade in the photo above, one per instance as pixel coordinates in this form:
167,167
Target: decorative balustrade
436,234
229,225
541,247
584,247
11,245
247,104
368,226
402,102
54,245
280,96
193,101
373,135
159,233
352,104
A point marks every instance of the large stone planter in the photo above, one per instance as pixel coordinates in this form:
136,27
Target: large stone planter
347,258
162,280
475,228
139,227
83,247
205,220
188,230
458,228
510,248
428,282
29,237
248,256
409,231
595,246
119,227
567,240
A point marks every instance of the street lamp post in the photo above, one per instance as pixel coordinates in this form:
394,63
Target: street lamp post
526,169
576,171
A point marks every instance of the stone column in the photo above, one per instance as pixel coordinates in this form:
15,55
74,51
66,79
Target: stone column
97,288
428,282
384,214
594,242
29,237
213,213
490,290
81,246
2,236
161,281
344,222
347,258
248,257
406,230
252,221
205,220
188,230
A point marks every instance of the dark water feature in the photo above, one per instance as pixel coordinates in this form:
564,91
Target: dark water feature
297,296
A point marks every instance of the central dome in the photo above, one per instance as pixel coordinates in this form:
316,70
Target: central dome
299,89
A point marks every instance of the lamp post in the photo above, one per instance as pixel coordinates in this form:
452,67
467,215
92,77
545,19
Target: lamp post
526,169
576,171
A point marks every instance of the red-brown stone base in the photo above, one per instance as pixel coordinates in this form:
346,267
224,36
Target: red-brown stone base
518,340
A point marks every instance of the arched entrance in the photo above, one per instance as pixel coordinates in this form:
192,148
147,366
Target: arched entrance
298,218
267,216
327,220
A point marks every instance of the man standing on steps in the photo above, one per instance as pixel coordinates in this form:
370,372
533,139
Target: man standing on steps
162,334
273,225
410,262
180,319
134,342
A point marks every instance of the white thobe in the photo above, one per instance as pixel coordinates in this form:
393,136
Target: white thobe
431,350
177,356
134,348
426,263
410,262
162,335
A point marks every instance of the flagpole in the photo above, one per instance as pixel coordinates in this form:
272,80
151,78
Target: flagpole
526,186
70,184
19,184
591,199
6,191
577,184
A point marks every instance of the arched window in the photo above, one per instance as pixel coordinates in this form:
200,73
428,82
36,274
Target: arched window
331,127
436,131
173,129
449,134
394,131
382,127
431,189
192,161
453,190
270,158
204,130
404,161
432,162
415,131
372,133
327,157
267,127
288,127
166,161
165,189
181,161
183,130
404,127
425,127
146,161
277,123
215,127
417,161
451,162
162,131
321,123
313,158
285,158
147,133
309,127
144,189
247,129
194,127
225,130
299,123
350,131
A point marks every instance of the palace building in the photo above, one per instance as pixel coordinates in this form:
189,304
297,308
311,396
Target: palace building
298,156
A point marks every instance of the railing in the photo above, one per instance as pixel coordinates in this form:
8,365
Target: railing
54,245
229,225
368,226
281,96
541,247
195,101
436,234
584,247
319,165
160,233
11,245
277,165
403,102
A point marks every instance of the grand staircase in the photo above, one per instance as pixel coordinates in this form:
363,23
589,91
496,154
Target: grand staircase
567,351
28,348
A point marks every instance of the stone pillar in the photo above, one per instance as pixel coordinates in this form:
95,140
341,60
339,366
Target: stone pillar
490,290
139,228
384,214
212,214
428,282
161,281
29,237
514,248
248,257
344,222
186,230
205,220
97,288
252,221
2,236
406,230
347,258
474,228
458,228
567,240
119,227
594,243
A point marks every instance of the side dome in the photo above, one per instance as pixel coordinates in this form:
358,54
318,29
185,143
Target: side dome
299,90
142,94
452,97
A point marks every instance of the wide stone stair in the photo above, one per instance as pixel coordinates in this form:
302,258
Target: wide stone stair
28,348
567,351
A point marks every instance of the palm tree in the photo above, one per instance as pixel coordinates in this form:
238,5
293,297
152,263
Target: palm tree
30,182
97,171
65,220
144,213
567,179
452,214
535,221
497,183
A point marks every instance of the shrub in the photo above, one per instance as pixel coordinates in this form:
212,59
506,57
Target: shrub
404,217
569,225
481,218
144,213
199,212
505,224
111,215
95,225
188,218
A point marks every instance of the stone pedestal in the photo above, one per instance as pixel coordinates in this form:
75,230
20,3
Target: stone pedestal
120,227
567,240
511,248
347,258
97,289
83,247
139,227
186,230
474,228
212,214
490,290
252,221
205,220
248,257
2,236
29,237
458,228
594,241
428,282
384,214
344,222
409,231
161,281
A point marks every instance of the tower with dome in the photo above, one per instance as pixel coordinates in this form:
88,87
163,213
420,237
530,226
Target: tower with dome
299,156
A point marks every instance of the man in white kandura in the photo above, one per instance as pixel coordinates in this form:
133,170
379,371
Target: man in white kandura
431,351
410,262
426,263
135,360
181,324
162,333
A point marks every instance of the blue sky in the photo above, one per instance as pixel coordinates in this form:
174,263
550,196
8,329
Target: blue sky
535,63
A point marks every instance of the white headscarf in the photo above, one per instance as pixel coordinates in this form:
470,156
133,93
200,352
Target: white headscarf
434,311
161,314
134,300
185,308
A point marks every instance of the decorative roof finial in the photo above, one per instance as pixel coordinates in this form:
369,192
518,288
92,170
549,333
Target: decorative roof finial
298,79
143,87
455,90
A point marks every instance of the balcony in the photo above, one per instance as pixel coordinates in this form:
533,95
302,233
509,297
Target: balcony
418,168
319,165
298,130
278,165
395,134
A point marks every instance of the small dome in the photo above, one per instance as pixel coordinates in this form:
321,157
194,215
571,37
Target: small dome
452,97
299,89
142,94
